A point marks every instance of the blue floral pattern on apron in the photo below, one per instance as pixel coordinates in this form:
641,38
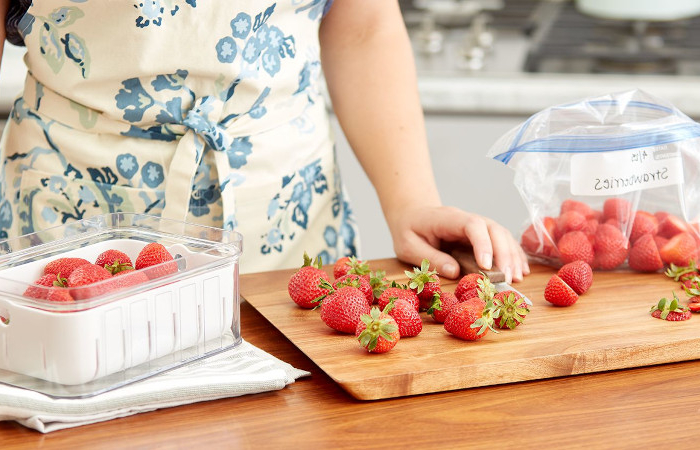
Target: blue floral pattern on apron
239,138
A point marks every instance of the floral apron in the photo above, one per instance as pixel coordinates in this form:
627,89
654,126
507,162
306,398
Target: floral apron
203,111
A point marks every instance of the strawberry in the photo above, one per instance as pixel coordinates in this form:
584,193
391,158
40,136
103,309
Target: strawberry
672,225
670,310
358,281
59,294
442,305
114,260
64,266
681,273
644,223
349,264
425,283
467,285
400,292
474,285
510,309
679,250
38,289
539,237
590,228
128,278
617,208
378,282
377,331
477,302
578,275
342,309
578,206
660,241
694,307
661,215
156,259
86,281
610,248
691,283
574,246
304,285
558,293
644,255
469,322
406,317
694,294
570,221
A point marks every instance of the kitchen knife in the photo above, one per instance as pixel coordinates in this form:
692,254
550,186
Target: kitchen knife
467,263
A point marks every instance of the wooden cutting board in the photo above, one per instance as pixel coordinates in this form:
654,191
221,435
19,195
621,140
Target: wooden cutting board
608,328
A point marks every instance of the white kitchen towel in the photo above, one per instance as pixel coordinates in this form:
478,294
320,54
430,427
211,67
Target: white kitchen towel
242,370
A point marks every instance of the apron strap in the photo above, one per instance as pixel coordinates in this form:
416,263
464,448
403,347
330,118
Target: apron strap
203,129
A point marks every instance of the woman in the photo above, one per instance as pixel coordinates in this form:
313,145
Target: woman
210,112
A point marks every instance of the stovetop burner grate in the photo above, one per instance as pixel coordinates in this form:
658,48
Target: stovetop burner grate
567,40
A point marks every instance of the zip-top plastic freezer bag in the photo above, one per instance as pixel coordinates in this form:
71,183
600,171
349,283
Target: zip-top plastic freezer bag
610,180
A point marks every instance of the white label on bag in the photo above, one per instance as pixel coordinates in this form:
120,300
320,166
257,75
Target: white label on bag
618,172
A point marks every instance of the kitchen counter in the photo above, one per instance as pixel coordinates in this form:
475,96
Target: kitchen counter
639,407
523,94
502,88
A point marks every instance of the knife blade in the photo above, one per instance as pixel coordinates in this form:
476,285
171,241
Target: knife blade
467,263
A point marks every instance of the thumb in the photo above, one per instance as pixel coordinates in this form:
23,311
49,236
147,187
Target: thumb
418,249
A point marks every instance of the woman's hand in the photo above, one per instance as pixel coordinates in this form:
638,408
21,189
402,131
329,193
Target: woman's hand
418,233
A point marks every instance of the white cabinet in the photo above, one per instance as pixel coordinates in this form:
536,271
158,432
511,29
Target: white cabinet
465,177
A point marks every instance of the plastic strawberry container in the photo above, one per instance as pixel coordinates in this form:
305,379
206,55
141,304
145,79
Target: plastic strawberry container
84,347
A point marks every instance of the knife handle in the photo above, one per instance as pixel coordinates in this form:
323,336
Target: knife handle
467,262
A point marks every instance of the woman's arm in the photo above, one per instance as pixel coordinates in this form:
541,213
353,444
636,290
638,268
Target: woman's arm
368,64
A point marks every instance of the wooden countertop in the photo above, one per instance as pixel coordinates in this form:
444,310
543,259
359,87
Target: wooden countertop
623,408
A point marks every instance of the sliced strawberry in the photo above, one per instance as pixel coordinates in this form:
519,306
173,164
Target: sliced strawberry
644,223
558,293
660,241
644,255
578,275
611,247
672,225
670,309
679,250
